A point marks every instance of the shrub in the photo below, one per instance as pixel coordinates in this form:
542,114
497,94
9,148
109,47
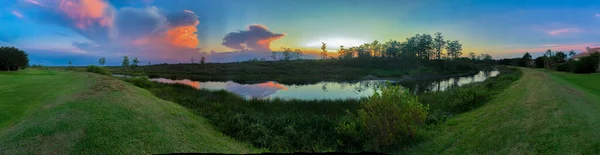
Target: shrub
387,118
587,64
98,70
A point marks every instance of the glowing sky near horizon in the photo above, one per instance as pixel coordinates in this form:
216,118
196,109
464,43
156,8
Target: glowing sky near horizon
55,31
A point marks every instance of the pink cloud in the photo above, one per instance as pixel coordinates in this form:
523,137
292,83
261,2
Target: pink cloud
33,2
557,47
17,14
563,31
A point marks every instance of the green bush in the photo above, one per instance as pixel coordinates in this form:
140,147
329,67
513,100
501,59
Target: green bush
390,117
98,70
587,64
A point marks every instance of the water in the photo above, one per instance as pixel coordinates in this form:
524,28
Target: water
328,90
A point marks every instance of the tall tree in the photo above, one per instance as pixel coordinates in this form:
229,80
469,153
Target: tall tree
287,53
323,50
560,57
274,55
102,61
202,59
438,44
193,60
134,63
376,48
454,49
125,63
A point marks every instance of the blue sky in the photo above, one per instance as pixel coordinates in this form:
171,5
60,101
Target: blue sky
56,31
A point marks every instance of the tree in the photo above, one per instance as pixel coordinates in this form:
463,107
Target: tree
524,62
472,56
193,60
438,45
560,57
323,51
102,61
125,63
274,55
287,53
297,53
13,59
71,65
202,59
572,53
134,63
392,49
376,48
454,49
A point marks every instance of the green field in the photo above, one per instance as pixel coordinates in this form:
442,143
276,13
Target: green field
58,112
544,112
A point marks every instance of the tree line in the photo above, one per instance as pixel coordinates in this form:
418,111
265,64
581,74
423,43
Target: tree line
418,47
13,59
557,60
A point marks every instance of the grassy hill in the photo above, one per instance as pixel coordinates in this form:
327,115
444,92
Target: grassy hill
544,112
57,112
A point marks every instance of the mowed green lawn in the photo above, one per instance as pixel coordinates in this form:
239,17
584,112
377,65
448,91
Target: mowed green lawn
58,112
544,112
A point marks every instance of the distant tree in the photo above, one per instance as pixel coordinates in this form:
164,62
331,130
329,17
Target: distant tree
539,62
472,56
274,55
549,59
298,53
454,49
202,60
392,49
572,53
193,60
438,45
125,63
425,46
70,65
363,51
524,62
134,63
13,59
486,57
102,61
376,47
287,53
560,57
323,50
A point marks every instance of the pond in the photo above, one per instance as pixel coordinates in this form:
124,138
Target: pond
328,90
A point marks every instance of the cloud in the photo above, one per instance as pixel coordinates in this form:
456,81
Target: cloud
17,14
256,38
145,32
563,31
597,15
557,47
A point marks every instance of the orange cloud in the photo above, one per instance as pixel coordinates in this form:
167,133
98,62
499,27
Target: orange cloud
86,12
17,14
183,36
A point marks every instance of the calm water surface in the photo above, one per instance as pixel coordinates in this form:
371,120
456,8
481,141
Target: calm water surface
328,90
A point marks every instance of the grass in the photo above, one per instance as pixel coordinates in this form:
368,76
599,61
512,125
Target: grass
58,112
544,112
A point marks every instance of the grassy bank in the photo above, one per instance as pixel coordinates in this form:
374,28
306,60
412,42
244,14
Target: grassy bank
58,112
544,112
305,71
292,125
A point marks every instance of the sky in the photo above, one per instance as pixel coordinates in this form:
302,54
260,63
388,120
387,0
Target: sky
55,32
